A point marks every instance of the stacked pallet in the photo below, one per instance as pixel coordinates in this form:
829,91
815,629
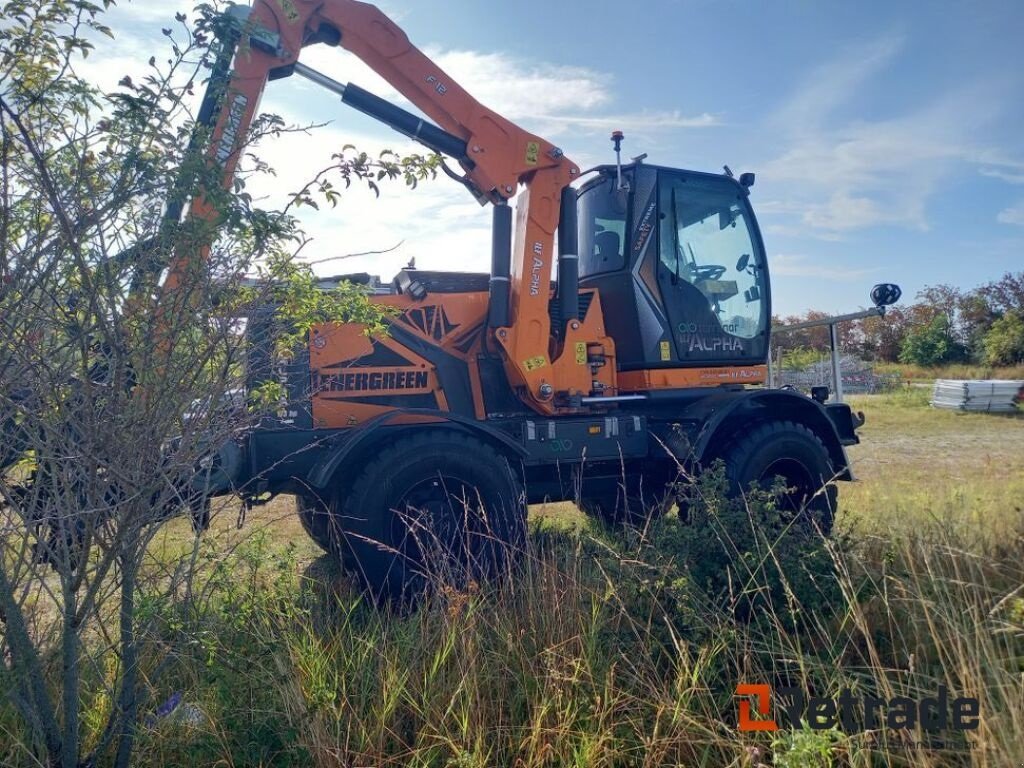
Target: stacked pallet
995,396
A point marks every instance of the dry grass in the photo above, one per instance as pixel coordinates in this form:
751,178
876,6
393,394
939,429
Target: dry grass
619,650
960,371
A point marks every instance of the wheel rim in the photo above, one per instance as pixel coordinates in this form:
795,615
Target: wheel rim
430,517
799,485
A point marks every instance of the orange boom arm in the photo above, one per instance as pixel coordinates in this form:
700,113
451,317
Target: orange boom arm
497,156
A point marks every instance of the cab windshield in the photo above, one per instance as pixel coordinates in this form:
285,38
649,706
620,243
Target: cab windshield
707,241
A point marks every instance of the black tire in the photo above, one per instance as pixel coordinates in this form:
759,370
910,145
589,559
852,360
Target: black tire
793,452
434,507
319,524
634,501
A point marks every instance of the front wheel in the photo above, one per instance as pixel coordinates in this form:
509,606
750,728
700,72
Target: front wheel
790,453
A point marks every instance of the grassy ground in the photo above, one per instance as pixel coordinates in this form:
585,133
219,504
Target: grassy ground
920,373
622,650
920,465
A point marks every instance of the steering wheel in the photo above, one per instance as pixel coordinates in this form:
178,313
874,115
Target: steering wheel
708,271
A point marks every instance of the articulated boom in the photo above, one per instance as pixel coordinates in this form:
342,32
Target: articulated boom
496,155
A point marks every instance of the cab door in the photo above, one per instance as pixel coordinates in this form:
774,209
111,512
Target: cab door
710,271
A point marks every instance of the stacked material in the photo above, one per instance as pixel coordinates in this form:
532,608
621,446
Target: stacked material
990,396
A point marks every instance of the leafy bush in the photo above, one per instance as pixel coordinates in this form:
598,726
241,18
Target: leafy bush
1004,342
931,344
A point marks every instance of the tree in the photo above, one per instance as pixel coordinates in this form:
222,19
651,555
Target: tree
881,338
1005,294
976,316
1004,342
930,344
112,390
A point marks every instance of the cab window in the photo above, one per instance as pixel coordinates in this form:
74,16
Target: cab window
602,229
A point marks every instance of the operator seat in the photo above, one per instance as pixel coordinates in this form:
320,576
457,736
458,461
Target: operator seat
609,249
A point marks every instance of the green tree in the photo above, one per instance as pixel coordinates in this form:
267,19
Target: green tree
1004,342
101,370
930,344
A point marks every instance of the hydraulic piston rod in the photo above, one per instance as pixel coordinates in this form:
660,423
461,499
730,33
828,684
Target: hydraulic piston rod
401,120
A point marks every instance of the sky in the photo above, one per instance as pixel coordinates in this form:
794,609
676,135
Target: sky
887,138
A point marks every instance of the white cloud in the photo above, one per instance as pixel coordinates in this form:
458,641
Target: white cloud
518,89
1012,215
844,211
549,99
638,121
830,85
1007,176
796,265
840,173
137,28
150,11
439,223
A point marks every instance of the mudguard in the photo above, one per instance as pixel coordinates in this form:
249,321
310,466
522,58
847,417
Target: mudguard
365,436
727,413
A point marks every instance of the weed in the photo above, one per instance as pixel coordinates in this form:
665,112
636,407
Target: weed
611,648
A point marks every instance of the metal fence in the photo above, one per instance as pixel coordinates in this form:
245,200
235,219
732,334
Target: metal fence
859,377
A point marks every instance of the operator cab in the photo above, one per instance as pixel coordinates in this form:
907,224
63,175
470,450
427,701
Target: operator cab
678,260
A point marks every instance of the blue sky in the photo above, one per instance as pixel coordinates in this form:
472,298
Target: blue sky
887,138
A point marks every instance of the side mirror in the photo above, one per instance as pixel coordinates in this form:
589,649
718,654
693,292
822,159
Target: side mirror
885,294
741,265
747,180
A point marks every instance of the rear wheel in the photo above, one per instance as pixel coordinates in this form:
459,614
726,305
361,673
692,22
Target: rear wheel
438,506
793,453
320,524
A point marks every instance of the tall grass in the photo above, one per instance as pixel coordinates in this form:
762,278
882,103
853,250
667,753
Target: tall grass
619,649
600,650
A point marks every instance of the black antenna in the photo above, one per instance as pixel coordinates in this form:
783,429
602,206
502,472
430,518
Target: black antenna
617,137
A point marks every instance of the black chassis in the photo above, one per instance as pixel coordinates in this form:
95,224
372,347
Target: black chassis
666,431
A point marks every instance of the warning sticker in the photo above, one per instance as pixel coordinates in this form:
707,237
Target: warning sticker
532,152
535,362
289,10
581,353
666,351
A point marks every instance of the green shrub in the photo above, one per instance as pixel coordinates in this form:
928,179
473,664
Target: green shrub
1004,342
931,344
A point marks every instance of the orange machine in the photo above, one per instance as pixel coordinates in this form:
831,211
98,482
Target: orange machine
491,390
